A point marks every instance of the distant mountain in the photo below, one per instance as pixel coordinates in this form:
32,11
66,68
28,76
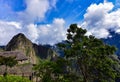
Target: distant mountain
32,50
114,40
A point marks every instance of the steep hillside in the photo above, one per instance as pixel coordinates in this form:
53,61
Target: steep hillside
20,42
44,52
32,51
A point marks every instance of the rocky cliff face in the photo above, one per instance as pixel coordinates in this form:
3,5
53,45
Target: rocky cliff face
32,51
44,52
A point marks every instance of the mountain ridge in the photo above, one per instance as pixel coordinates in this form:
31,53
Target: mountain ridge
31,50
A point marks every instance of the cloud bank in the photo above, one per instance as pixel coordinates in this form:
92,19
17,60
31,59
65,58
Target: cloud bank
47,33
24,22
43,34
98,20
35,10
101,18
7,30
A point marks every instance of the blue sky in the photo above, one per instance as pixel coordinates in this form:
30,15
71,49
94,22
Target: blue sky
46,21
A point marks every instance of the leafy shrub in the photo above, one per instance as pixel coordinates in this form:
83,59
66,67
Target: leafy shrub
13,78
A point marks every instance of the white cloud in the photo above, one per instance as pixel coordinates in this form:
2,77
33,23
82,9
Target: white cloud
14,24
102,33
48,33
52,33
32,32
8,30
36,10
45,34
24,23
101,18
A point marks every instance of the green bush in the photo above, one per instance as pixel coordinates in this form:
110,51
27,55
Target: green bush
13,78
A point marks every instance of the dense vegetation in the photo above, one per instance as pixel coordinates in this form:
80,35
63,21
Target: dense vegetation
86,59
91,55
13,78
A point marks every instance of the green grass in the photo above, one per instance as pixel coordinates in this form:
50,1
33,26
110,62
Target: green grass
13,78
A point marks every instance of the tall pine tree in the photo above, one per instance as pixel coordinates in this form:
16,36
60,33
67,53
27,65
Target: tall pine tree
92,56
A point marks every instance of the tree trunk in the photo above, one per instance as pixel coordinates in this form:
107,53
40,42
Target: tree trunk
84,72
85,79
